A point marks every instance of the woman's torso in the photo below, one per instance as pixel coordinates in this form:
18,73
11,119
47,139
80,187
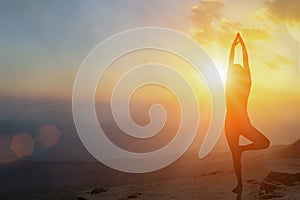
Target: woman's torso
238,87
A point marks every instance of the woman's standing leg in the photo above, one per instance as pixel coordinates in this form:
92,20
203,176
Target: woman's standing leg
236,157
232,135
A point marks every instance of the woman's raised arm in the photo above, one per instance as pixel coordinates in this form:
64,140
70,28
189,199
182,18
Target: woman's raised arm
245,57
231,55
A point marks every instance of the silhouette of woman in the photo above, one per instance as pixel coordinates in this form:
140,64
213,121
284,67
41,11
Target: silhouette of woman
237,121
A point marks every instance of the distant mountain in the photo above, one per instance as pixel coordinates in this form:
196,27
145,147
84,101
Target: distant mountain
293,150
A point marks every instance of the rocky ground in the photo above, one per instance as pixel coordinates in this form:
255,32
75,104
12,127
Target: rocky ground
272,174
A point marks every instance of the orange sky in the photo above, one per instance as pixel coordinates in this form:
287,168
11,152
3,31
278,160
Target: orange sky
271,32
43,51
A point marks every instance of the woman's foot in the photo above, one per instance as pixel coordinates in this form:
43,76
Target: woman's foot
237,189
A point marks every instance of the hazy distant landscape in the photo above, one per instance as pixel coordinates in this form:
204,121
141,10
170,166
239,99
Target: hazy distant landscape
28,115
65,170
66,180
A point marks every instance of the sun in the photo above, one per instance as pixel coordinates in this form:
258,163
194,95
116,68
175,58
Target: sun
222,69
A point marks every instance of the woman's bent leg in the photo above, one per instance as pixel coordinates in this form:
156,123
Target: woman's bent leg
259,141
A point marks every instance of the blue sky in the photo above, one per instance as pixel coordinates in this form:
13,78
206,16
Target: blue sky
42,43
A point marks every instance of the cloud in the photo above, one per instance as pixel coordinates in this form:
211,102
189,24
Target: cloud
206,12
215,27
207,21
256,33
210,25
283,10
279,61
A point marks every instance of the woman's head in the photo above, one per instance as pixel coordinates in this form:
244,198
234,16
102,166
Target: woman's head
237,69
236,73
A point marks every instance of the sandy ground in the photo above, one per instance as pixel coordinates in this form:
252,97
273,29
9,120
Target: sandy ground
214,179
188,178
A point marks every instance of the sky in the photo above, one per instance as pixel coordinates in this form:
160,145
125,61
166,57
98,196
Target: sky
43,43
271,32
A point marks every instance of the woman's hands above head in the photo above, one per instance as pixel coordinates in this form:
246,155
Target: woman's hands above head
241,40
238,39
